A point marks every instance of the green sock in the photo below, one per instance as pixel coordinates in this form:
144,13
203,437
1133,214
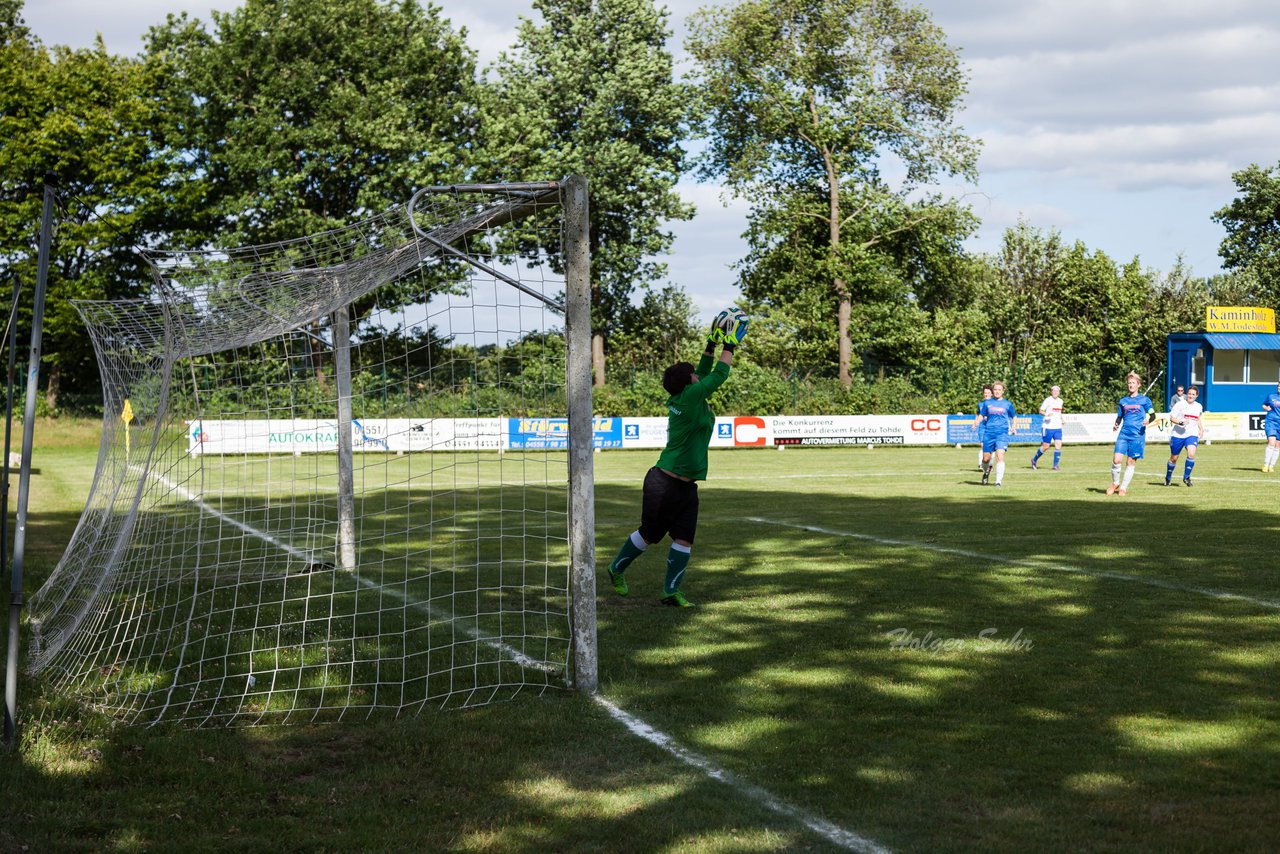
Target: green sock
626,554
677,561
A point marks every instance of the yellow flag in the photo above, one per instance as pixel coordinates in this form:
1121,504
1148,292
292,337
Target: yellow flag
126,415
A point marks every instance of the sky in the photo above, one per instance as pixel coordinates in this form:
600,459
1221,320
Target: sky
1116,122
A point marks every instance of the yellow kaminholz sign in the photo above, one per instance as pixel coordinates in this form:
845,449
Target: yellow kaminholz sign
1239,318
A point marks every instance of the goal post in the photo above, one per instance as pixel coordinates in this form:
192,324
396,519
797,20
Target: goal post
346,474
582,520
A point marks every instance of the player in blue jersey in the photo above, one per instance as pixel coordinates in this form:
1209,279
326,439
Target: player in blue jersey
1272,425
997,417
1188,429
979,425
1133,414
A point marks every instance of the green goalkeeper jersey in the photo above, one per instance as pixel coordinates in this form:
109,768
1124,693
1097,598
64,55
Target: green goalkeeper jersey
690,422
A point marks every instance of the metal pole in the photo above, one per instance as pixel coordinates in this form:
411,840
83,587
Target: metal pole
24,478
346,475
11,335
582,510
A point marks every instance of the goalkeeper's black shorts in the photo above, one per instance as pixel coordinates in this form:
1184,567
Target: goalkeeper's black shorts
670,506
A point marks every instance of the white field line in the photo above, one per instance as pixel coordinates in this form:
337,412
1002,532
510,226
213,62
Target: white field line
1103,473
1030,564
831,832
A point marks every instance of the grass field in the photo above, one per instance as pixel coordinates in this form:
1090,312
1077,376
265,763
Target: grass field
880,642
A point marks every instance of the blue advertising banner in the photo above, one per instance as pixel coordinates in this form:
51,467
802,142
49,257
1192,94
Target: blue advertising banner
1026,430
552,434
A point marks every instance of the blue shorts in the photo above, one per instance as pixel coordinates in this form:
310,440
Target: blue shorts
1273,430
1131,445
1177,443
991,444
1051,436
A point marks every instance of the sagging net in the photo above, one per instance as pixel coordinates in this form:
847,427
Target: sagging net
209,580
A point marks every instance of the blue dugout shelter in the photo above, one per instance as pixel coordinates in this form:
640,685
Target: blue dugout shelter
1235,370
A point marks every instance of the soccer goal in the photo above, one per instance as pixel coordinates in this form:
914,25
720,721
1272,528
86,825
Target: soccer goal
340,476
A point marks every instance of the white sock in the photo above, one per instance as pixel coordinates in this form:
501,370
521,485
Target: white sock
999,471
1128,476
1115,473
638,541
1272,455
980,459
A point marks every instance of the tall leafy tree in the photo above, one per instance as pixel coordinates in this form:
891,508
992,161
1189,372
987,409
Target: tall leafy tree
908,263
590,90
1252,221
809,103
300,115
85,116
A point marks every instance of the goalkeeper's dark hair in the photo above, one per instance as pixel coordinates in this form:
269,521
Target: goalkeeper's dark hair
677,378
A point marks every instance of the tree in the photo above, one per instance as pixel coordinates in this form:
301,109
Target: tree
1252,221
811,100
301,115
907,260
591,91
658,331
85,116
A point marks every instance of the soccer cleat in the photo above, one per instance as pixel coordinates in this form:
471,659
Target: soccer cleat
1057,468
1187,481
676,600
1122,492
986,473
619,582
1168,482
998,483
1111,489
1035,466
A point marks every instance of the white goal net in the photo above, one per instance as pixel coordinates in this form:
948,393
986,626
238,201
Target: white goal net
335,474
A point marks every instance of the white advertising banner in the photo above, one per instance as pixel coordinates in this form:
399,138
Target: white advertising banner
832,430
399,435
1088,427
644,432
309,436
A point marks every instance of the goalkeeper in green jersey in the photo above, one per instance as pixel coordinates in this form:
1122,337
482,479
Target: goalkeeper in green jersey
670,504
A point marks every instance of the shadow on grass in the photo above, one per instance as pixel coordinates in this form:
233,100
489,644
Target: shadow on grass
860,680
937,700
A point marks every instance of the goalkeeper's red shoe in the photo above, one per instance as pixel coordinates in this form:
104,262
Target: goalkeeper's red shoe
676,600
1111,490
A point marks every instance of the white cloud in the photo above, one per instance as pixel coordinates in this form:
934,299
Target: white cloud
1135,156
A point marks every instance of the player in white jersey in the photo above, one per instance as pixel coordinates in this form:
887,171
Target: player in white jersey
1051,428
1187,416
